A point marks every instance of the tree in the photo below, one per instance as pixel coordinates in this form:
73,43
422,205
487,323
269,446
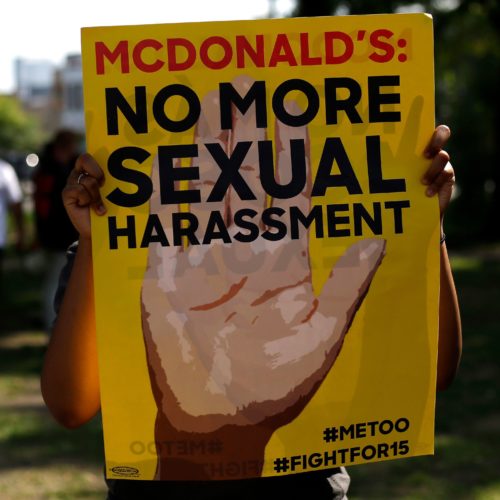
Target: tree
467,41
468,71
18,130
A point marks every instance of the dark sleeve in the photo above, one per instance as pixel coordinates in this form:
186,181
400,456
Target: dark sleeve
64,276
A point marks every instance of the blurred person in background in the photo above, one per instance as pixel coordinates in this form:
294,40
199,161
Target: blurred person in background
10,199
54,230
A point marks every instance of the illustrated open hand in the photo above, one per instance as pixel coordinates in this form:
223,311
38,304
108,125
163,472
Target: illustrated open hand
234,333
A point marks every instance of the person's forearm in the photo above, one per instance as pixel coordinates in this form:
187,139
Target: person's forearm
450,329
70,384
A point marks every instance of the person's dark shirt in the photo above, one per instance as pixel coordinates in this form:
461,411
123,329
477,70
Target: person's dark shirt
53,226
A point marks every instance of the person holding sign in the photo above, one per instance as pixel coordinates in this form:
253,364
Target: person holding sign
70,383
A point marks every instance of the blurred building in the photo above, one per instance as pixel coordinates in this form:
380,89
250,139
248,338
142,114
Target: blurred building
71,98
35,89
34,82
52,93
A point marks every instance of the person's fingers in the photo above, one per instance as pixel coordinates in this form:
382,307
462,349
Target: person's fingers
244,130
93,194
76,201
439,162
76,195
86,165
438,140
84,181
445,176
82,186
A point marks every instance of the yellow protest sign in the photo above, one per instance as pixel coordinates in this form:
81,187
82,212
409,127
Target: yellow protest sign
267,274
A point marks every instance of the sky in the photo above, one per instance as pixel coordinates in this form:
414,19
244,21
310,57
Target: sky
50,29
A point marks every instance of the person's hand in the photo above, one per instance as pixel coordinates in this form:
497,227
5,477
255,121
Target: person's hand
235,334
82,192
440,176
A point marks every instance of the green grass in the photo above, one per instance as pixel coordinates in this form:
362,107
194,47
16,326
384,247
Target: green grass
39,459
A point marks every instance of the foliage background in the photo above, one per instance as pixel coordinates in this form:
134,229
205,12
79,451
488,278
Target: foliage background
18,130
467,59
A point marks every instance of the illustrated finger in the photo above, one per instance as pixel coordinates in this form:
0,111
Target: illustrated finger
337,305
437,165
438,140
292,147
305,353
349,281
245,130
164,211
208,131
162,251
